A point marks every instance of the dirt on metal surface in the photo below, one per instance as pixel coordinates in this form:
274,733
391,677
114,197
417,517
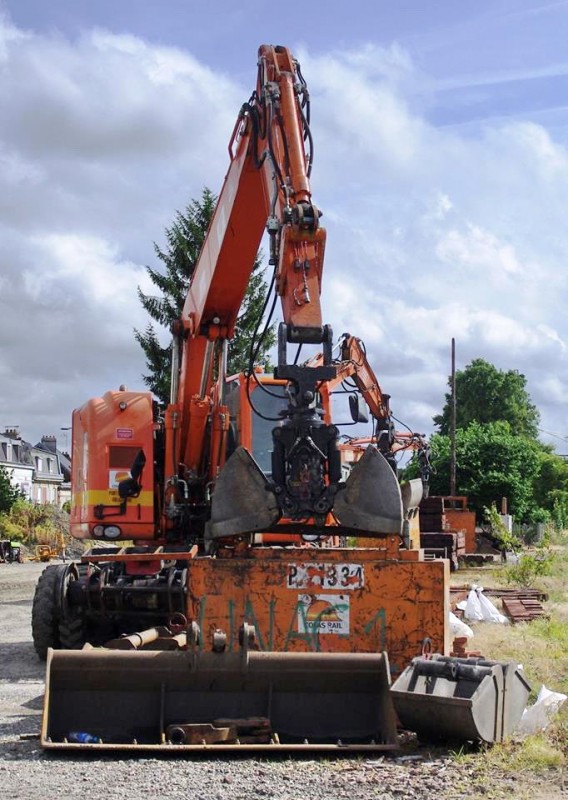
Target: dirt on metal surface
363,600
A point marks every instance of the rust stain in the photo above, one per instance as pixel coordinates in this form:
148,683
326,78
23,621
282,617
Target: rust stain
400,604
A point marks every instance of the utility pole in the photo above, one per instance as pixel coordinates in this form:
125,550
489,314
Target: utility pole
453,422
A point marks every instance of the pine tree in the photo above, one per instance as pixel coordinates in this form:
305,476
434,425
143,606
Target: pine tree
184,240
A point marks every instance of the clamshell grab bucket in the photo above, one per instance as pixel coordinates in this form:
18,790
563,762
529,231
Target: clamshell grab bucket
371,500
193,700
460,699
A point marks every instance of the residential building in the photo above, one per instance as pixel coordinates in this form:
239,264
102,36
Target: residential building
40,471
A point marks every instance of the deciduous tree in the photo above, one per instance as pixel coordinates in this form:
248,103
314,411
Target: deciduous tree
487,394
491,462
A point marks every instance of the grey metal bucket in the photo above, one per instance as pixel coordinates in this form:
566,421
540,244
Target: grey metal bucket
460,699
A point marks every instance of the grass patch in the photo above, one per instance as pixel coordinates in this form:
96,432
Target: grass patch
535,752
555,631
542,648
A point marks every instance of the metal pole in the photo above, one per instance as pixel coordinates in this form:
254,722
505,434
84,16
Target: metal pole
453,422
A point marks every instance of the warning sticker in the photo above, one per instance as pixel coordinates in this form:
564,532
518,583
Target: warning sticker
124,433
323,613
326,576
115,476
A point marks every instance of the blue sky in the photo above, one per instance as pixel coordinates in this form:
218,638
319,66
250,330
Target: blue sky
441,142
484,59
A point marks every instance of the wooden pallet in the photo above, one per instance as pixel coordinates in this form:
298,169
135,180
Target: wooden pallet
522,609
515,594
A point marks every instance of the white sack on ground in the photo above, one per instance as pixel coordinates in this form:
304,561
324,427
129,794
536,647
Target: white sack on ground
538,716
458,628
479,608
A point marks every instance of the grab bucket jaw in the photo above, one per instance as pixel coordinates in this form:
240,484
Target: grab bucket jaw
371,500
241,502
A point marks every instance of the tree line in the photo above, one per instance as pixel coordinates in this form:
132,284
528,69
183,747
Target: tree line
498,453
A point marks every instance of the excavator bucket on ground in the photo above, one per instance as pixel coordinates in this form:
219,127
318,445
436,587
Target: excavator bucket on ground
189,700
460,699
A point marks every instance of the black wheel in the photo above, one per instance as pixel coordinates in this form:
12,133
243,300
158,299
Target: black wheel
72,627
46,610
72,633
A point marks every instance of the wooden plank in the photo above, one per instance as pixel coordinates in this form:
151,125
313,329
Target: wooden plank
535,594
520,609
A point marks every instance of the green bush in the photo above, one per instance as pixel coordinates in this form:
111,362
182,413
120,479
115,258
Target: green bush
529,567
507,540
34,524
560,509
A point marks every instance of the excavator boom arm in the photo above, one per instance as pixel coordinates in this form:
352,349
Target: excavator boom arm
266,187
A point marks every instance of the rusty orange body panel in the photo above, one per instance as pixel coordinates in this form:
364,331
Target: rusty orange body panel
347,600
461,519
113,429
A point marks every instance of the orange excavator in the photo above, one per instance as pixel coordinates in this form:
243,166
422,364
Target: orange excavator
230,614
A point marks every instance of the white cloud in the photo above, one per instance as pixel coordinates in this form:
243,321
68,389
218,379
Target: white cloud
478,249
432,234
101,141
556,390
86,263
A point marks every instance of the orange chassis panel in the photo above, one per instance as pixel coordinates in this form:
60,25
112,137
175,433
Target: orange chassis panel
325,600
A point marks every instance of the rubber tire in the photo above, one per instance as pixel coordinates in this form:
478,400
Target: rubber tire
72,626
72,631
46,611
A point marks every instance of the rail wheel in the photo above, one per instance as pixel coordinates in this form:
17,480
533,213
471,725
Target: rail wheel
46,610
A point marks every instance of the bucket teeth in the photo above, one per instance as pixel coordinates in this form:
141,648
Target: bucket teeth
371,499
242,502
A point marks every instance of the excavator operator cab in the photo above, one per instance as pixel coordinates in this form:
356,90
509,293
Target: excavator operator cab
256,405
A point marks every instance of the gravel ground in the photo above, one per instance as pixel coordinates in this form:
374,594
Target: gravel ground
26,773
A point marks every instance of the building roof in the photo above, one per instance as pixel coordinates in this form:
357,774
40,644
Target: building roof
15,452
